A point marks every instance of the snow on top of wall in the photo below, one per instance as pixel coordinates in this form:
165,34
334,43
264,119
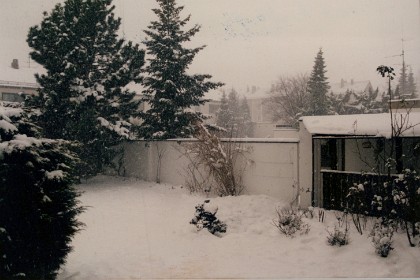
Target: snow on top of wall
21,75
378,125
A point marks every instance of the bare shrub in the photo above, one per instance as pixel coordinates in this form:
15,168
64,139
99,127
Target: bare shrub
289,222
219,160
339,236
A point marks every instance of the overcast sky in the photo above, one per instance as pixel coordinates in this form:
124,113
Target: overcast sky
252,42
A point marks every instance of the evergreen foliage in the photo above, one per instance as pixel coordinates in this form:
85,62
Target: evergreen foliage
234,116
169,90
245,121
403,83
411,85
82,96
38,206
318,88
205,217
224,115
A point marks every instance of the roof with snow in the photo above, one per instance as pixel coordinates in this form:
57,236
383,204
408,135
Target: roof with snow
23,75
376,125
343,86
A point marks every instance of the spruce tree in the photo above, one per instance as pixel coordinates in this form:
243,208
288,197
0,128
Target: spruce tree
402,82
38,204
318,87
223,114
246,128
411,85
169,90
82,96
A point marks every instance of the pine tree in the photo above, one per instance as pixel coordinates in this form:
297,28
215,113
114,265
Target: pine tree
38,205
318,87
411,85
245,122
169,90
223,114
233,104
402,82
82,96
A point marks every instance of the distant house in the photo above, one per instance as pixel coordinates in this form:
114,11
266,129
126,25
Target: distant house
17,82
335,150
356,86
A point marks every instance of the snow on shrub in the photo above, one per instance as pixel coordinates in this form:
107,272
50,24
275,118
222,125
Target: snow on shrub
289,222
38,206
205,217
339,237
382,238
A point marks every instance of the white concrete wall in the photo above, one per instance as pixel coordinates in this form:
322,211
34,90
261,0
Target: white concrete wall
305,165
274,170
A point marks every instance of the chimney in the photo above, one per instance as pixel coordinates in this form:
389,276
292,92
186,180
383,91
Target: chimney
352,82
15,64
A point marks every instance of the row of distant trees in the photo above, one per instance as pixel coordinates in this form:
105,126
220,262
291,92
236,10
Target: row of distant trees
301,95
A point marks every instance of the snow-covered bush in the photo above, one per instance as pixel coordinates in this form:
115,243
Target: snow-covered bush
382,238
289,222
339,237
406,201
205,217
356,205
38,206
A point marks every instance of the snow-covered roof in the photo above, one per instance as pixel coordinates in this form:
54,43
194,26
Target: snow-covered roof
377,125
21,75
342,87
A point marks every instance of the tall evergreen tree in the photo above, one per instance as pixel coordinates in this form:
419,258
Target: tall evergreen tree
245,121
169,90
223,114
402,82
82,96
318,87
411,85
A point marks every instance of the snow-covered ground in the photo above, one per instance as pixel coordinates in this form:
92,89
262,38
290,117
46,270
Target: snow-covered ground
136,229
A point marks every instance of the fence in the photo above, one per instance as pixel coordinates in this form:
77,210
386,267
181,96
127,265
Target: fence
273,172
336,184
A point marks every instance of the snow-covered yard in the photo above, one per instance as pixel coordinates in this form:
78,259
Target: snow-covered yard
136,229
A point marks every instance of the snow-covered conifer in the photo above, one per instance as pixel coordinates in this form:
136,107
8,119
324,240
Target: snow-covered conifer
223,114
245,122
83,95
318,87
170,91
38,206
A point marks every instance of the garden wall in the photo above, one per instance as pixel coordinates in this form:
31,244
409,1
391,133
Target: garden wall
273,170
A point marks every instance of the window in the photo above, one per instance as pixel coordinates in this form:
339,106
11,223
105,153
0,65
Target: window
11,97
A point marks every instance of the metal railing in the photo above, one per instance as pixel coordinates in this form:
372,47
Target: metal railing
336,185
